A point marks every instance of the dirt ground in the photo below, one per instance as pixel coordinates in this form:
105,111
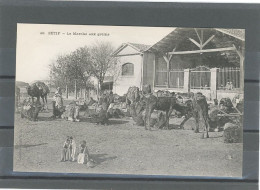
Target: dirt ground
123,148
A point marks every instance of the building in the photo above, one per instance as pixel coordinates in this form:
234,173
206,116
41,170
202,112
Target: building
131,66
209,60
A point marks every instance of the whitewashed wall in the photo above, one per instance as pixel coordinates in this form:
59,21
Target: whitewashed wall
122,84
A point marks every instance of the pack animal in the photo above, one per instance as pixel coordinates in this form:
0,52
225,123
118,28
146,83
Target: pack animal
197,107
38,90
161,100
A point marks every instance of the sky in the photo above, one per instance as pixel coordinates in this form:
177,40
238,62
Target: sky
38,45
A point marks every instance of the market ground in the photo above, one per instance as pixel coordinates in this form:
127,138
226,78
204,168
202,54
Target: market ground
123,148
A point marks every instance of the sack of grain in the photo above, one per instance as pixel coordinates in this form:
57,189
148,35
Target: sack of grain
233,133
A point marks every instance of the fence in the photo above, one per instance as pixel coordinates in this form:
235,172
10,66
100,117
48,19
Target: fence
228,78
200,78
161,79
176,79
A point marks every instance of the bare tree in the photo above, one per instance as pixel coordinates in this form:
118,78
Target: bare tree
101,61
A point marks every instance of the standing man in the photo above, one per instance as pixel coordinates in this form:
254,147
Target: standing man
58,107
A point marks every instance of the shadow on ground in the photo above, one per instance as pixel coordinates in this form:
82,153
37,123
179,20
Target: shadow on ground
29,145
99,158
117,122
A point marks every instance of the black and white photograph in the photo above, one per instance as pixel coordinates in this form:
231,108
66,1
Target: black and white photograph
129,100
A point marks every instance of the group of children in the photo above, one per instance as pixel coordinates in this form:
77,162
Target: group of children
69,151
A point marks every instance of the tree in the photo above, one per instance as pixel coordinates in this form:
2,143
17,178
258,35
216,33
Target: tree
76,68
70,71
59,72
101,61
79,68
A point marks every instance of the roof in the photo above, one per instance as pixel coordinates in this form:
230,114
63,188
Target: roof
237,33
170,41
138,47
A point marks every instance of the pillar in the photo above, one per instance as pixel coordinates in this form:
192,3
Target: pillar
242,71
213,83
186,87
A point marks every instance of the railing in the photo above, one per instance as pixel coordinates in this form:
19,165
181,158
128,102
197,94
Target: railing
200,78
161,79
228,78
176,78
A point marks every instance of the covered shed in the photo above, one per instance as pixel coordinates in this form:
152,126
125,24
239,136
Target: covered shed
198,59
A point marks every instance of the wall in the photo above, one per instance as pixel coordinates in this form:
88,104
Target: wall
227,94
148,68
122,84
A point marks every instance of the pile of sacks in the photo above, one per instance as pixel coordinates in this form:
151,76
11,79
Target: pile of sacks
99,115
233,133
217,123
230,124
30,110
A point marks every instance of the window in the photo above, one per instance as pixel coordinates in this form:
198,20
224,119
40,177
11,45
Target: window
128,69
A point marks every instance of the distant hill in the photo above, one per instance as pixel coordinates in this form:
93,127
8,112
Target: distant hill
21,84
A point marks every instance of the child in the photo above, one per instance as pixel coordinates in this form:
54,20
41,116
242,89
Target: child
83,156
73,148
66,151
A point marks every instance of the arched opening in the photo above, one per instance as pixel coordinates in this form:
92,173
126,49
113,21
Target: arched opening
128,69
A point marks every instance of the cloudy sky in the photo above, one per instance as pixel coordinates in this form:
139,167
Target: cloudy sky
38,45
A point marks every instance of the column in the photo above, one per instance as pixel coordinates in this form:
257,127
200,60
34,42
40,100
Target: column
154,73
186,87
242,71
213,83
